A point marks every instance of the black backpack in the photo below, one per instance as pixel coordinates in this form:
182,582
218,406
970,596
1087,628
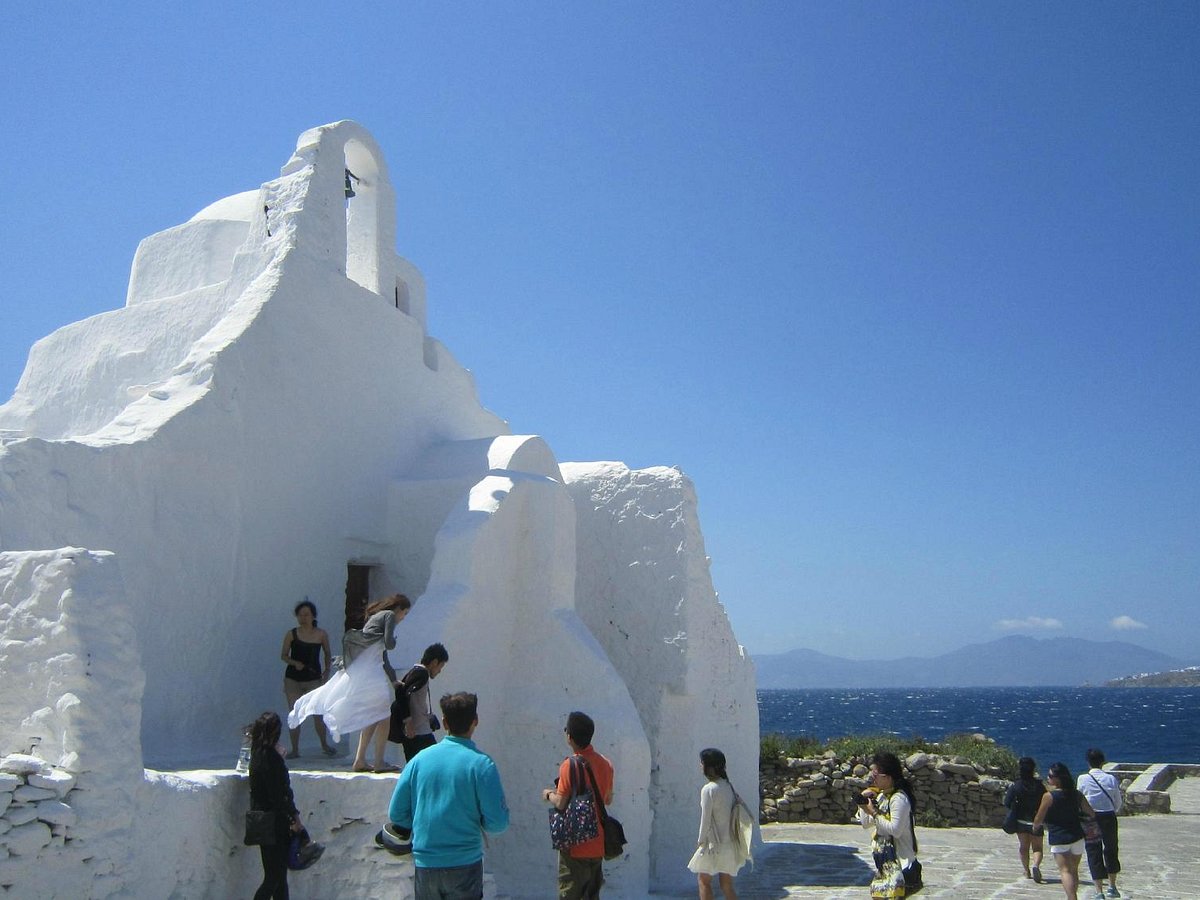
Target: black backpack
414,679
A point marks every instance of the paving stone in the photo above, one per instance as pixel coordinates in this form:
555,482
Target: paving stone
833,862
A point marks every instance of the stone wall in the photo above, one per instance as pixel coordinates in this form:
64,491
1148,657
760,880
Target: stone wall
950,790
34,808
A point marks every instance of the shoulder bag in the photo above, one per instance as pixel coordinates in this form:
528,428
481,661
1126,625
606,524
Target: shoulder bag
577,822
614,832
260,828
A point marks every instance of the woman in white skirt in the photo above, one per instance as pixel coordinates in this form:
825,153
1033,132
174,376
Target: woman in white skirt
359,695
726,828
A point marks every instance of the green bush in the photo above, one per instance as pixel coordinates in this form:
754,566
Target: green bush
985,753
863,747
780,746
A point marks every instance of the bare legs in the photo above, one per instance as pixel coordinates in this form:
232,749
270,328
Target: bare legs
726,882
378,732
1068,871
294,690
1030,844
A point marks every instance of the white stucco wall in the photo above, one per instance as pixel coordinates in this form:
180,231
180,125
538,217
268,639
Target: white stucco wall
235,443
643,588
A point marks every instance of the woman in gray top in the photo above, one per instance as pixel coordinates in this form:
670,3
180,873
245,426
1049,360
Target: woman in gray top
359,695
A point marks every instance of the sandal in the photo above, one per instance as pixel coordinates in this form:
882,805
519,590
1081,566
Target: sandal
357,768
329,751
385,768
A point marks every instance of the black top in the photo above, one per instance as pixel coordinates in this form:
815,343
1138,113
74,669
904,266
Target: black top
271,789
309,654
1023,797
1062,819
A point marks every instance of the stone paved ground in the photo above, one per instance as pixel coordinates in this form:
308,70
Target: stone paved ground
833,861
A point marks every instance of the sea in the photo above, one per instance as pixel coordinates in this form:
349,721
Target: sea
1148,725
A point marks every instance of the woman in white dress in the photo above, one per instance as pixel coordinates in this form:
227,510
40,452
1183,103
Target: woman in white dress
359,695
726,828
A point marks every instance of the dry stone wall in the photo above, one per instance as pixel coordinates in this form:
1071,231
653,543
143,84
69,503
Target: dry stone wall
950,790
35,808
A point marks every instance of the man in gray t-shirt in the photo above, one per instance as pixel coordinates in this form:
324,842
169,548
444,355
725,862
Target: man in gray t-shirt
415,730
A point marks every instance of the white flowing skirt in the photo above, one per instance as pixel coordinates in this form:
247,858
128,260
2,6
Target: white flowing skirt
717,858
355,697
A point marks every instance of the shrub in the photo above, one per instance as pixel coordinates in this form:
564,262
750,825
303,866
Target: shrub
983,753
780,746
864,746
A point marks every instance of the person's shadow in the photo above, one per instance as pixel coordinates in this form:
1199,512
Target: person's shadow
783,865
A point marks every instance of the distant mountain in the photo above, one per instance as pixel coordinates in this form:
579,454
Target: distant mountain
1012,661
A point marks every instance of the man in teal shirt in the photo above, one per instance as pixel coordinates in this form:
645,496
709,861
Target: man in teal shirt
449,794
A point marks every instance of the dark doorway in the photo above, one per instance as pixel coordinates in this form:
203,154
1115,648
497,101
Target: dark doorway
358,587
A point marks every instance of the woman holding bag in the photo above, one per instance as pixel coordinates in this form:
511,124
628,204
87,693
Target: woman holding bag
1061,809
722,847
1022,799
888,808
271,791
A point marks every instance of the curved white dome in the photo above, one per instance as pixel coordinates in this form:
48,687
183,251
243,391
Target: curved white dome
236,208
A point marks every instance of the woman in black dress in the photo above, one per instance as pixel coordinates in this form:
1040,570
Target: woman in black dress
1023,797
271,789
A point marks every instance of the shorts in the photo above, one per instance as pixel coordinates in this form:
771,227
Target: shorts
1076,848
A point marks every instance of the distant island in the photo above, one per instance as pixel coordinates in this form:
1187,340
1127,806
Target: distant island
1189,677
1011,661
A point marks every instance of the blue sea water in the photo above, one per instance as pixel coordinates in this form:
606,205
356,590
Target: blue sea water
1049,724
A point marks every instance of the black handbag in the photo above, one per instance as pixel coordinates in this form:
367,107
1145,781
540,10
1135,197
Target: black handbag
614,832
1010,822
260,828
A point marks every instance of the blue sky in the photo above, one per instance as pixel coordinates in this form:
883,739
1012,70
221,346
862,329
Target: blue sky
910,290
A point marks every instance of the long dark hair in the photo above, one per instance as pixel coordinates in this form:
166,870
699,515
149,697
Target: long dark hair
1066,783
889,764
1026,769
264,734
713,761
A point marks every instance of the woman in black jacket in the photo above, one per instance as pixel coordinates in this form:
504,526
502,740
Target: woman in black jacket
271,789
1023,798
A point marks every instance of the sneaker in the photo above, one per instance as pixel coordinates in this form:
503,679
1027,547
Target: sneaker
1112,891
1037,874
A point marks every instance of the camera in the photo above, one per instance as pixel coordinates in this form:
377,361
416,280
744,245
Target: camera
862,799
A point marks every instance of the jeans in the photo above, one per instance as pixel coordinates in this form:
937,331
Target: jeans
450,883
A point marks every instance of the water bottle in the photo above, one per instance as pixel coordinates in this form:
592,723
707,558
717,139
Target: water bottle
243,761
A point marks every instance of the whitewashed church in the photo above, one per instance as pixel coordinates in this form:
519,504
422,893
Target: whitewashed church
267,419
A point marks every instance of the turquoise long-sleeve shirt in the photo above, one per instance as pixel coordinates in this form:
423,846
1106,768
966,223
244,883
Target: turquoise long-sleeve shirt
449,794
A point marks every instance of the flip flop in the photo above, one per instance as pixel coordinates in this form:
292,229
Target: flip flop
360,768
385,768
329,751
295,754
